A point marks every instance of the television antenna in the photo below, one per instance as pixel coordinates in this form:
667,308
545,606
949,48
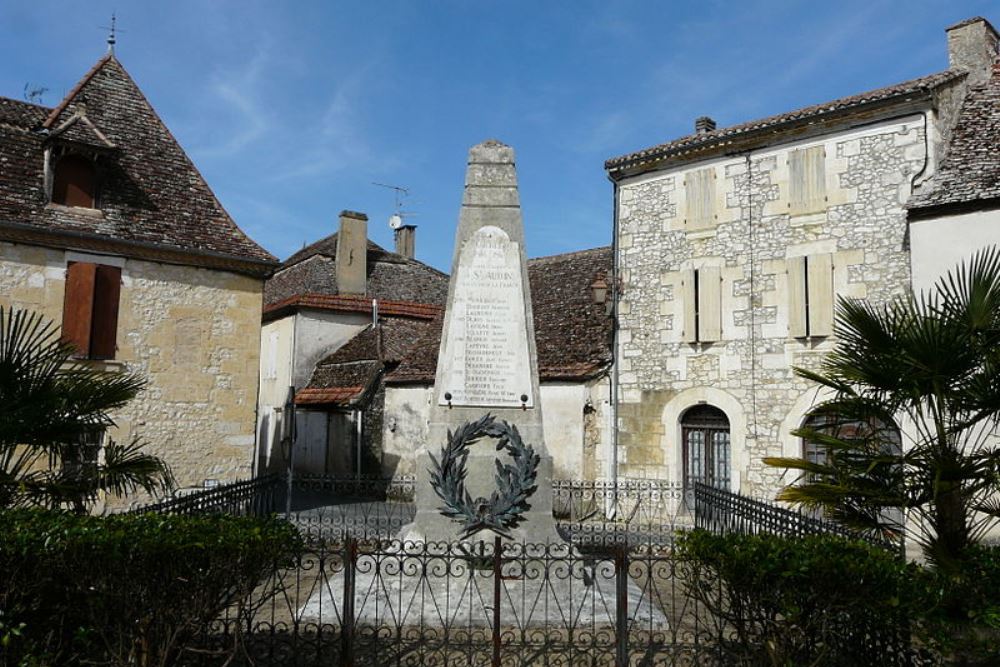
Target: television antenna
399,192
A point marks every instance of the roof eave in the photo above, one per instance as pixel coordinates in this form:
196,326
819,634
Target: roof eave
71,240
926,211
751,139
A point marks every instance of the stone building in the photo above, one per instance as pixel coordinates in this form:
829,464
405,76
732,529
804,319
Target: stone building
338,315
732,245
107,228
359,344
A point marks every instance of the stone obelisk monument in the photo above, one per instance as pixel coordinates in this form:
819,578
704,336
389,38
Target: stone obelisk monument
487,361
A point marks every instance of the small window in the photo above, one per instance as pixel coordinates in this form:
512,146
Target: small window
699,191
90,309
74,182
807,180
702,295
810,291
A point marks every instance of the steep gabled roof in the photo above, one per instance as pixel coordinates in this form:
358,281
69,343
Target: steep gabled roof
970,171
153,202
722,139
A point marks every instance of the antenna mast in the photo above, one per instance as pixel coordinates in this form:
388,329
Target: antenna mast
396,219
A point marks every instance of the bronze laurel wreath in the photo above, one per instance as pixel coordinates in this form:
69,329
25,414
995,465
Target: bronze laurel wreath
515,481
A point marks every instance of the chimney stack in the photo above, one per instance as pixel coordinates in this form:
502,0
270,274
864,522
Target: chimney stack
352,253
972,45
406,241
703,125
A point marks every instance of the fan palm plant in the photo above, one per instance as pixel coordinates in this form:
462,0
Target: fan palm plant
51,412
931,363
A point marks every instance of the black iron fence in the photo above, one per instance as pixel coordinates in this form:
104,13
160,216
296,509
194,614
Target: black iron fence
722,511
250,497
488,603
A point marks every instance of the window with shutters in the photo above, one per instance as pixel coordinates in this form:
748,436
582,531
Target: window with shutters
699,192
810,292
74,182
90,309
807,180
701,291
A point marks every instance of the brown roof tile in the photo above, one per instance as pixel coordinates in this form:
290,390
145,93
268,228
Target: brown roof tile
970,171
152,195
350,304
722,137
391,277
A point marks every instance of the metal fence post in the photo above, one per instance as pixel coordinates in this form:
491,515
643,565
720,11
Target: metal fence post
347,608
621,600
497,566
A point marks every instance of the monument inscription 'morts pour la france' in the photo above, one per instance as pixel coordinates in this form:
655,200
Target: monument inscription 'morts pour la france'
489,365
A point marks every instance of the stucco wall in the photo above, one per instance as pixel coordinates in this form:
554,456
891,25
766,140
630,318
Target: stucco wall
193,333
938,245
747,372
574,419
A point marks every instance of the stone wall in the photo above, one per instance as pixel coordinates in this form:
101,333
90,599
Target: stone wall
859,224
193,333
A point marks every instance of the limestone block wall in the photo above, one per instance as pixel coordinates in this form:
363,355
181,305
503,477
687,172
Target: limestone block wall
193,333
855,222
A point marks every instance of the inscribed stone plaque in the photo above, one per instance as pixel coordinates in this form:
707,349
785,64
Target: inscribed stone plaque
488,364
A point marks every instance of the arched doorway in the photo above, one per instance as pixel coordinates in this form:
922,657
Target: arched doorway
706,443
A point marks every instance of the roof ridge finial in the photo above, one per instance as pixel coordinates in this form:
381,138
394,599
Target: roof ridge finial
112,39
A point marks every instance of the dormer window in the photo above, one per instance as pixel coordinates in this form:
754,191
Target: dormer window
74,181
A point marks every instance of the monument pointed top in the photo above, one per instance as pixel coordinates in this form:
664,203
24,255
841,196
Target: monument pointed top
491,151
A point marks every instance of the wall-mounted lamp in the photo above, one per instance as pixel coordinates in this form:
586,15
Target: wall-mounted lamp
599,289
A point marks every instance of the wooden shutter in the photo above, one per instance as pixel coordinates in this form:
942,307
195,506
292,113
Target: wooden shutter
104,330
700,195
690,305
797,323
709,304
820,295
807,180
78,305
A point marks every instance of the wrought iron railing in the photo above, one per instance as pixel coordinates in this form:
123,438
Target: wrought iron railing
635,509
256,497
722,511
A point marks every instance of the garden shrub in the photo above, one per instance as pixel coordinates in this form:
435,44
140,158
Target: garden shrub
126,589
818,600
961,609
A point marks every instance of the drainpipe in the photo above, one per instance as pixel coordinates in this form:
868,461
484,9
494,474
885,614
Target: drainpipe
614,389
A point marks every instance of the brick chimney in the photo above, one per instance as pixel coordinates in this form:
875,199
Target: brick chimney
406,240
352,253
972,45
703,125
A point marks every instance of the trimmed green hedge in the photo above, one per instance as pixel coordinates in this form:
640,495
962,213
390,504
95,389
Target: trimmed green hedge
126,589
825,600
819,600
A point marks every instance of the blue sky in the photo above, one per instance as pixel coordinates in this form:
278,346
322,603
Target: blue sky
292,110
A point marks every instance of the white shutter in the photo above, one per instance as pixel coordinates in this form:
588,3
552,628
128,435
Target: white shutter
689,333
700,196
797,297
821,295
709,304
807,180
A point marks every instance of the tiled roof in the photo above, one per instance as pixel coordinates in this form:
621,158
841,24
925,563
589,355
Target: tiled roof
722,137
349,374
970,171
21,114
152,196
351,304
391,277
573,335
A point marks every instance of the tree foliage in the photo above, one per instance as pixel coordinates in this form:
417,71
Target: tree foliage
51,409
930,363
